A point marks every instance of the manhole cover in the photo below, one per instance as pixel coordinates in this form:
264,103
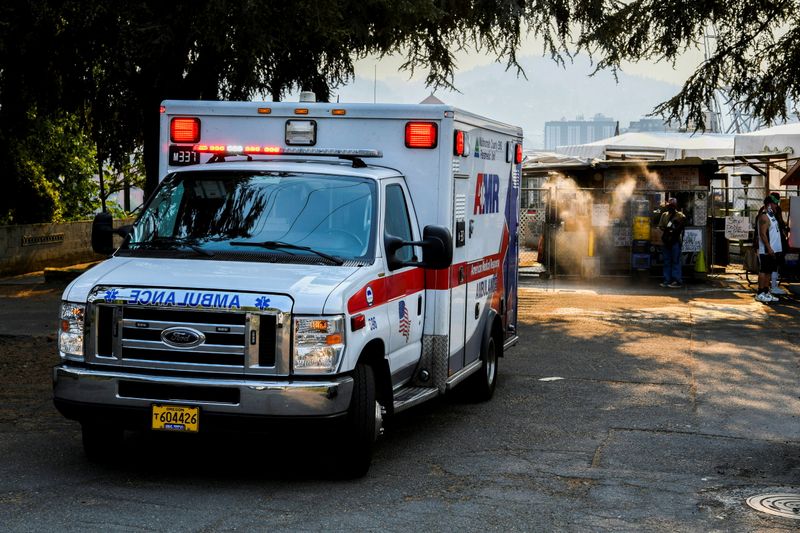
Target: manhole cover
785,505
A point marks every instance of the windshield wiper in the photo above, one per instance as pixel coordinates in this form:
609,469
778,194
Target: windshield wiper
161,242
274,245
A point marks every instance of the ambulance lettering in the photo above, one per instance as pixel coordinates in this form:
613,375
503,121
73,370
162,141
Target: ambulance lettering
485,287
487,194
187,299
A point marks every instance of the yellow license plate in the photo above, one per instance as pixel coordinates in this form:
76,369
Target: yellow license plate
176,418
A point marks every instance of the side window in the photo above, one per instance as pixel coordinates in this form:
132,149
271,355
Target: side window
397,220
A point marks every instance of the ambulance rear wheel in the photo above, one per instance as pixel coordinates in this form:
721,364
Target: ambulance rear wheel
101,443
483,382
362,425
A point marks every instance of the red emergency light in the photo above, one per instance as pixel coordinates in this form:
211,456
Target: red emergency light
518,154
421,135
459,143
357,322
184,129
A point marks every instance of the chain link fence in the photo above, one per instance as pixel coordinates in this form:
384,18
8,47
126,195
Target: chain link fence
733,212
590,232
594,231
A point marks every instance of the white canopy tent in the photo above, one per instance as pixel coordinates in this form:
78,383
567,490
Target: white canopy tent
778,146
785,138
654,146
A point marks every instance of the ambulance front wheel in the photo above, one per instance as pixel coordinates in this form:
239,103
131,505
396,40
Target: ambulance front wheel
483,382
362,425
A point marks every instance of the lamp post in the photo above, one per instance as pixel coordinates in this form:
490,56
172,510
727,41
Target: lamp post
746,179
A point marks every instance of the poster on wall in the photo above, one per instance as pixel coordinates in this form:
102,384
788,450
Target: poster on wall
600,215
622,235
692,240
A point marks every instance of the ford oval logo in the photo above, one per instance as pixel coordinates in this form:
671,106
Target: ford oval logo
182,337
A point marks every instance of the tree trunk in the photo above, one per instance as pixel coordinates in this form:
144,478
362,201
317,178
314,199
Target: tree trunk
152,120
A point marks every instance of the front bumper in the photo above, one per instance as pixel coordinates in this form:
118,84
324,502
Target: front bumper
82,393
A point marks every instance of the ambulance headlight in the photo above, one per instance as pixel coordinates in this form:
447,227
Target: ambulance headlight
318,344
70,330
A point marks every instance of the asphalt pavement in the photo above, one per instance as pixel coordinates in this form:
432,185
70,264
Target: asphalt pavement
625,407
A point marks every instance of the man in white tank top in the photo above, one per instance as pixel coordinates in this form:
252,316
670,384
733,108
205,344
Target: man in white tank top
769,243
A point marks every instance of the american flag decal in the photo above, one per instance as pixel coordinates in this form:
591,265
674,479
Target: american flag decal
405,322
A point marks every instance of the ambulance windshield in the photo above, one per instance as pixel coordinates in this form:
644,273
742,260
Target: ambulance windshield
288,216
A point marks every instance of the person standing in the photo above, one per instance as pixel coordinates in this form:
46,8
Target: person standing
784,232
671,225
769,245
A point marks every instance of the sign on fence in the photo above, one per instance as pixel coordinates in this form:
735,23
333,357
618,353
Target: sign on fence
692,240
737,228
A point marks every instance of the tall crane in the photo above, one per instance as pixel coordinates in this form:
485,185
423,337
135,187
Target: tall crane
726,115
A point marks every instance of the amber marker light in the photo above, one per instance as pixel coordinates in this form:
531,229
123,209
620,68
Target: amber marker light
335,338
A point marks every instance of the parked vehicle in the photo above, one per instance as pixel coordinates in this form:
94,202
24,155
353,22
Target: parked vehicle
313,261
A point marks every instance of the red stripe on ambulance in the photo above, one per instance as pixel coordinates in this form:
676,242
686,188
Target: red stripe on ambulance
414,280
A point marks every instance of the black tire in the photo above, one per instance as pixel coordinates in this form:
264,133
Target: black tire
361,426
483,382
101,443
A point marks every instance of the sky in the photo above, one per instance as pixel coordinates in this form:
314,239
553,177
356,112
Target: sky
549,93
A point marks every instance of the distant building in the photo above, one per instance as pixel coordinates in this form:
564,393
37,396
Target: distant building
651,125
579,131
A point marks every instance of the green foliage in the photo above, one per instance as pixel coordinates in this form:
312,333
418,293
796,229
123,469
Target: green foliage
755,56
31,198
109,65
67,157
53,169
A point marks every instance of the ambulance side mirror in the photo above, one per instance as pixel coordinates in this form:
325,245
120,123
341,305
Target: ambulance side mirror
436,244
103,233
437,247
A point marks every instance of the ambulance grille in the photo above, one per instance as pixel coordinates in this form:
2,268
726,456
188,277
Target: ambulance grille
224,336
134,336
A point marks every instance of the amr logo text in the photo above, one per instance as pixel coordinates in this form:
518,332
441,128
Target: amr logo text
487,192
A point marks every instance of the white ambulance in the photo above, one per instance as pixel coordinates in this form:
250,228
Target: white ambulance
314,261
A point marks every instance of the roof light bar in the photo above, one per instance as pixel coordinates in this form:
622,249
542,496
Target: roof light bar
221,149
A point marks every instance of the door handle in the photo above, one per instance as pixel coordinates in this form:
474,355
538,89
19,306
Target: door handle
419,305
